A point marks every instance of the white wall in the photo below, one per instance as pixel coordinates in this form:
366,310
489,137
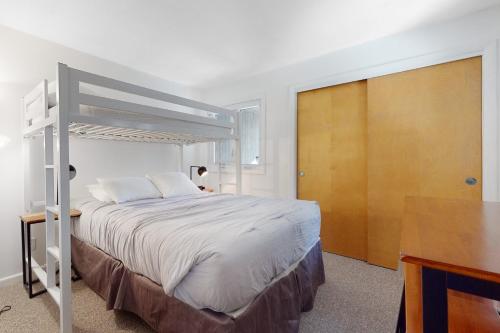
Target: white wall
24,62
479,28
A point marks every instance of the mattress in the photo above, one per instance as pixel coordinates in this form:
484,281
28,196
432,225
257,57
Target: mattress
211,251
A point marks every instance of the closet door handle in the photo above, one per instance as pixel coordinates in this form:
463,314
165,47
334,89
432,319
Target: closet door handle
301,173
471,181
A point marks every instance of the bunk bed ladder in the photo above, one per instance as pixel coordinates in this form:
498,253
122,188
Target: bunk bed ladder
39,118
51,212
54,255
58,254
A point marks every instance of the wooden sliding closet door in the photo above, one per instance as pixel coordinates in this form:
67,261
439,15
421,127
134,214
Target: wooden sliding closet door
331,158
424,139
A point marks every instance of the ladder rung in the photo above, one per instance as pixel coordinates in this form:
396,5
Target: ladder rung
55,292
39,272
38,127
53,209
53,109
53,251
37,203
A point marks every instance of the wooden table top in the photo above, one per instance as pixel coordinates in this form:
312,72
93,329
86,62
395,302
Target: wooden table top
457,236
40,217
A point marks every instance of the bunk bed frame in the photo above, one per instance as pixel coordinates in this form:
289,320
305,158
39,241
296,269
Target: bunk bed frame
131,122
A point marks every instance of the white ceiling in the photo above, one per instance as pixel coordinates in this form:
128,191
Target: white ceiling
204,42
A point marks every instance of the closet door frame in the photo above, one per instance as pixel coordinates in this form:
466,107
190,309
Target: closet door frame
490,54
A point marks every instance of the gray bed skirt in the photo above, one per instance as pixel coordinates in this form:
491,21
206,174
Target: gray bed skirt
276,309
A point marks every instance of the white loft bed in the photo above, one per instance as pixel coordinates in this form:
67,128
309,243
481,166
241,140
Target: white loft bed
108,119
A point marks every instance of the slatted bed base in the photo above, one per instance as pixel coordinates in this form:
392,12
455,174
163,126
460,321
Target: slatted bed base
277,309
99,132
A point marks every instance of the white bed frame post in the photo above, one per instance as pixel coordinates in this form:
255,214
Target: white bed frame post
50,175
65,106
238,153
50,228
181,158
219,167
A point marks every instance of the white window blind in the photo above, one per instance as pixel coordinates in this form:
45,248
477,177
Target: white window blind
250,134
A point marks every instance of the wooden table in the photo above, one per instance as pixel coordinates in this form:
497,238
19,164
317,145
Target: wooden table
26,222
451,255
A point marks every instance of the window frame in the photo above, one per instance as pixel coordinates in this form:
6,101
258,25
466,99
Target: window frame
247,168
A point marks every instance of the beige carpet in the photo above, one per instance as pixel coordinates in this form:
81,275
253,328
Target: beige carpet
356,297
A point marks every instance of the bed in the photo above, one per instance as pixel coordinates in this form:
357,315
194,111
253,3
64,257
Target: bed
202,262
182,264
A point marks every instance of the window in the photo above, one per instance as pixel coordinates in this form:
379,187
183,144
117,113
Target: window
250,132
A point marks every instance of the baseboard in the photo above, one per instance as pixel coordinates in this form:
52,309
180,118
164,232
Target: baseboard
10,280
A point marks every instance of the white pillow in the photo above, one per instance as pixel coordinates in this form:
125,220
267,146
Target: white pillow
174,183
129,188
99,193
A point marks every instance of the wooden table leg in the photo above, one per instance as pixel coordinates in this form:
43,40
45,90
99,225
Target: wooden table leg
413,297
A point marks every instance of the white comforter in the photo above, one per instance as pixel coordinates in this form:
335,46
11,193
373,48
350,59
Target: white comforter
216,251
